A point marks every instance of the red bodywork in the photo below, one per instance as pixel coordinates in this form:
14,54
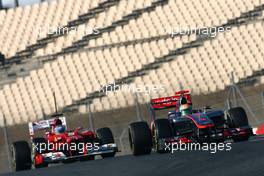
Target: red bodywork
65,145
260,130
172,101
68,137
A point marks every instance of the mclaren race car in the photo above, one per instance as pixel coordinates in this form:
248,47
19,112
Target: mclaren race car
60,144
186,125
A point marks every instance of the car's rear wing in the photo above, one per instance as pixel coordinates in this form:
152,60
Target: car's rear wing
169,102
44,125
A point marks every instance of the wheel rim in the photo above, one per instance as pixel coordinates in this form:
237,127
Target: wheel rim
230,121
156,140
13,155
131,140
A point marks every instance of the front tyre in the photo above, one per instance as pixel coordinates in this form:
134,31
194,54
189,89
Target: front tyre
140,138
237,118
105,136
21,156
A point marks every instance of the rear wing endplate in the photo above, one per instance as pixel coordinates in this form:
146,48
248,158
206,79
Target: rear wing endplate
169,102
44,125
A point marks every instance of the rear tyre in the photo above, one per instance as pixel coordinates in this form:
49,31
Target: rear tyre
162,129
105,136
236,118
140,138
21,156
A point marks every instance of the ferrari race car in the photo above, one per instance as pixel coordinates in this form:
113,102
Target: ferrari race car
185,125
60,144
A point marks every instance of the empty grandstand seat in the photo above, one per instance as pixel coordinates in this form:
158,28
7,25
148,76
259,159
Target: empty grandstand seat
129,48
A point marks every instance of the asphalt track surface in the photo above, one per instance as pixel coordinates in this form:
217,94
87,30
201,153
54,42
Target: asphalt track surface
245,159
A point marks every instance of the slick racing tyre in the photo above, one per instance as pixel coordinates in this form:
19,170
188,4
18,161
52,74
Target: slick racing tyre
37,142
161,130
105,136
140,138
236,118
21,156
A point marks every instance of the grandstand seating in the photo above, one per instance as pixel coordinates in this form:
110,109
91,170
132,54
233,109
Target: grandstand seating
72,76
158,22
64,72
114,13
198,72
21,26
172,15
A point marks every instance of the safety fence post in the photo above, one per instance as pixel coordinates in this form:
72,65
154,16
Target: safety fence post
7,143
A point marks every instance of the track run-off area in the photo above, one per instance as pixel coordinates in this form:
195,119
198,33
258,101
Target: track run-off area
245,158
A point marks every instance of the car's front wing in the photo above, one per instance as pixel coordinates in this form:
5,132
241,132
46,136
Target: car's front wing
54,157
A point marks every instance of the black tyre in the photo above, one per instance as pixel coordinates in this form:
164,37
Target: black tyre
105,136
37,142
21,156
140,138
236,118
162,129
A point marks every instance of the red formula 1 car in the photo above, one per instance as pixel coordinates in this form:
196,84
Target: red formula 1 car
185,125
61,145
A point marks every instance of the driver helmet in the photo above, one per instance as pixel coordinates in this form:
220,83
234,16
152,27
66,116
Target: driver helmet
59,128
185,108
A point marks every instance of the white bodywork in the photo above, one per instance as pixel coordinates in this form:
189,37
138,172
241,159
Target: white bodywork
44,124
